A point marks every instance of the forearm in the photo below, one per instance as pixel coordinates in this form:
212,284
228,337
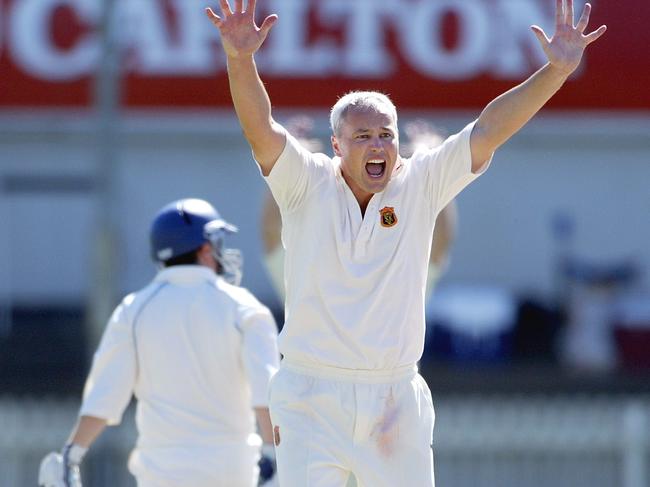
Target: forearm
264,424
87,429
253,107
249,95
508,113
58,469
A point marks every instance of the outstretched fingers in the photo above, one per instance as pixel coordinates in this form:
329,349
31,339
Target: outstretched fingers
225,7
559,13
595,34
267,24
584,18
251,7
214,18
569,15
541,36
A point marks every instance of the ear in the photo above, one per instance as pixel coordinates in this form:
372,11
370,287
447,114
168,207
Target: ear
335,146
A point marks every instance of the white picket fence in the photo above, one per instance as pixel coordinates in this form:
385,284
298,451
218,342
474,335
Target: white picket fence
542,441
479,441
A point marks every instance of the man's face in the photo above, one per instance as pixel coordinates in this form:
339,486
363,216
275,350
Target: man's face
367,144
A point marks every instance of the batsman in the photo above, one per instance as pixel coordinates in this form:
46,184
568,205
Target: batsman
197,351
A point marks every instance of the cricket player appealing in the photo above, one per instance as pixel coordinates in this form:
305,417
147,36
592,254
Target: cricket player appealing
357,231
421,135
197,351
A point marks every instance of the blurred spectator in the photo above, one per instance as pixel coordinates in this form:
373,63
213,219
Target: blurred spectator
594,289
471,324
421,135
271,224
589,294
537,328
632,330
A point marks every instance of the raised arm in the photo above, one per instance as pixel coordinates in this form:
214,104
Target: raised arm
508,113
241,38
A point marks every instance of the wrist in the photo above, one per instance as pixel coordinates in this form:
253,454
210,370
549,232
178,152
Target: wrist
73,454
268,450
562,74
236,59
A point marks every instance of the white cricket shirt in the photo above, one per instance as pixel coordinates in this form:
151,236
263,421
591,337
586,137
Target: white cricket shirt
197,353
355,286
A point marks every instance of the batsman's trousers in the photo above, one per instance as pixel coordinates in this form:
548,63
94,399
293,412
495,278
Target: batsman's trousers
233,465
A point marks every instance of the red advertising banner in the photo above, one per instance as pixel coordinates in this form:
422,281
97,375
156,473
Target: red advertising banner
424,53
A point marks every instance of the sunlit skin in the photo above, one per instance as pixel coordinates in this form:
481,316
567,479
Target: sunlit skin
367,135
205,257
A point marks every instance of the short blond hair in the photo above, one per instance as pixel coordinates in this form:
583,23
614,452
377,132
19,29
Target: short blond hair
360,99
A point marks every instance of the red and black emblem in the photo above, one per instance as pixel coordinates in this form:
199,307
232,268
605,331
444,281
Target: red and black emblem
388,217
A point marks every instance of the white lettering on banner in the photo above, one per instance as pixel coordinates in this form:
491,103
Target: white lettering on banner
515,50
31,45
423,45
365,53
287,51
145,32
197,39
493,37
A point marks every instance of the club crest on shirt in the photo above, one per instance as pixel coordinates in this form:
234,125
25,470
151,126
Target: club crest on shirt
387,216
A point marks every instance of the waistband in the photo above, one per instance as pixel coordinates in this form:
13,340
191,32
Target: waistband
368,376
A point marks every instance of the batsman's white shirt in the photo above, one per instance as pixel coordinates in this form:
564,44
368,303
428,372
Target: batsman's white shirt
198,354
355,285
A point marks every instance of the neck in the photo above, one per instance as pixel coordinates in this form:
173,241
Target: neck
362,197
363,203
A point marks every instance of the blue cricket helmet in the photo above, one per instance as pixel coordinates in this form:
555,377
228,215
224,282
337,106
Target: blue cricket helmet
183,226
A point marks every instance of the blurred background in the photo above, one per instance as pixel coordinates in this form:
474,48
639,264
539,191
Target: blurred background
538,332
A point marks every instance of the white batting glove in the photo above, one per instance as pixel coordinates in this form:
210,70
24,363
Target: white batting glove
62,469
268,472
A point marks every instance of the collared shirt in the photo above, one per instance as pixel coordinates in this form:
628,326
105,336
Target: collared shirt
356,284
197,352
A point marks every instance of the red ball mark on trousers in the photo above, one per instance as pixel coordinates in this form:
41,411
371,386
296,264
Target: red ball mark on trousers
276,435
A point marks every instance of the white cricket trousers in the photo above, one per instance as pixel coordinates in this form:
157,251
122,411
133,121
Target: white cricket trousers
233,465
331,422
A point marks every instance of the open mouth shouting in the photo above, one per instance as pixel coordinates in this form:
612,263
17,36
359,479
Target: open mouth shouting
376,168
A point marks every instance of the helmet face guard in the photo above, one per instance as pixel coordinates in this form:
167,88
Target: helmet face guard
230,261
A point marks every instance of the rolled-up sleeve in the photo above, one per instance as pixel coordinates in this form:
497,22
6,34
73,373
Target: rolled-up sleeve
292,176
260,351
110,384
449,167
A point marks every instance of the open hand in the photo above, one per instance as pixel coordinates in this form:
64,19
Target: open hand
565,49
240,36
